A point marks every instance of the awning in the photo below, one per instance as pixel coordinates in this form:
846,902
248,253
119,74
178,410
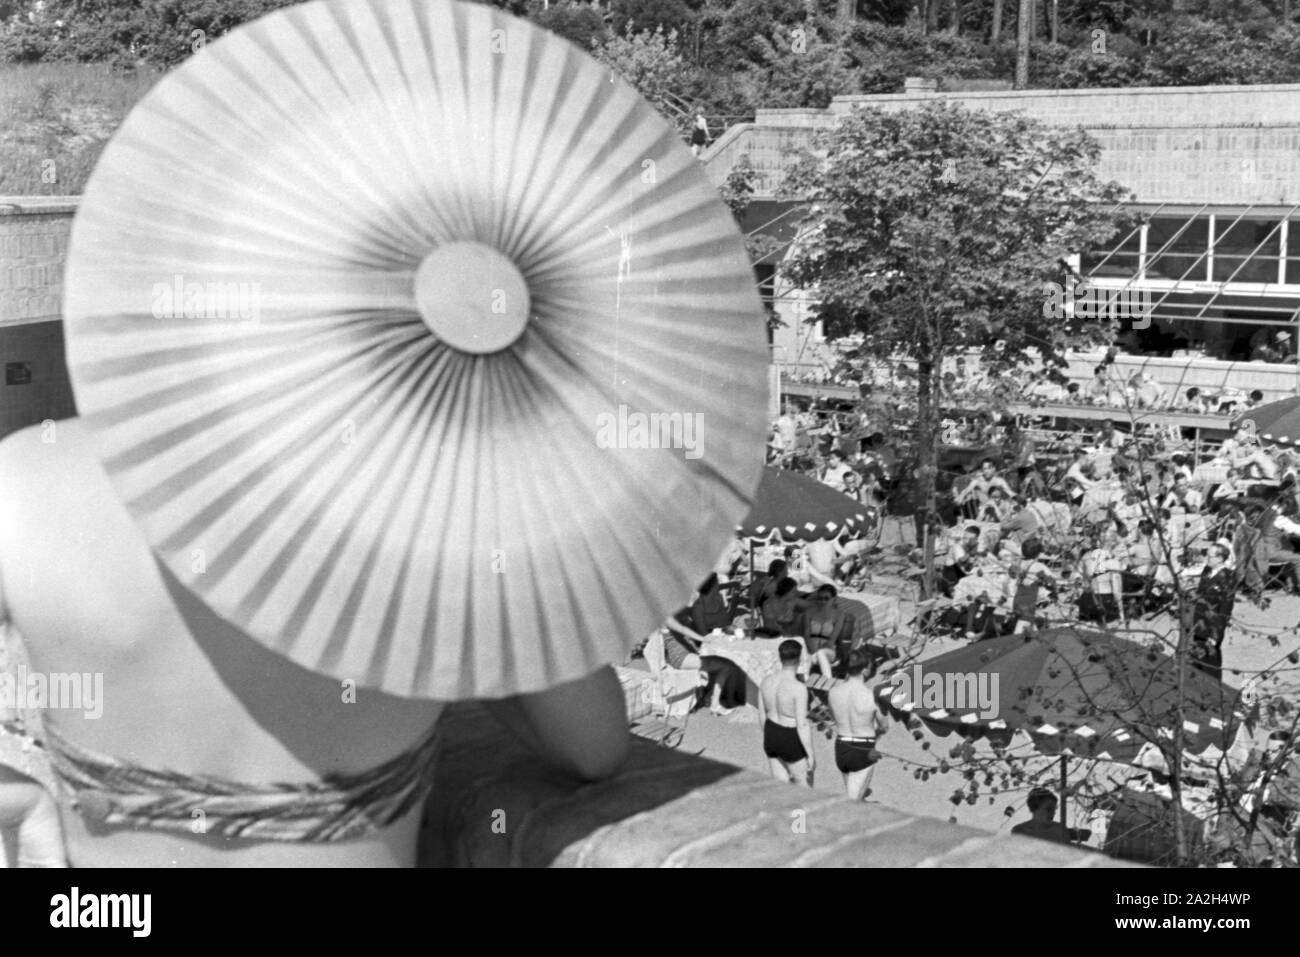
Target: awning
1228,264
777,219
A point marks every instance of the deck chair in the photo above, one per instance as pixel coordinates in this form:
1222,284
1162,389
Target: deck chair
672,694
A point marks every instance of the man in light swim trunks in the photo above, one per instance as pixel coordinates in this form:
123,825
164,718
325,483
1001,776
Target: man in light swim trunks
187,692
859,723
783,713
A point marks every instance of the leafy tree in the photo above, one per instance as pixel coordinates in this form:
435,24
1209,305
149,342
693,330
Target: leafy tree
518,8
735,46
746,29
891,12
653,63
645,15
1105,60
883,57
805,73
1250,17
90,30
1204,52
174,25
936,229
159,32
737,191
1283,56
27,35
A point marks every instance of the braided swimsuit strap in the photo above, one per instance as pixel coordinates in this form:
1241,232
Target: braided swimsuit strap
340,807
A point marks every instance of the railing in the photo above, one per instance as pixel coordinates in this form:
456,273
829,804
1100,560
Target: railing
496,805
684,111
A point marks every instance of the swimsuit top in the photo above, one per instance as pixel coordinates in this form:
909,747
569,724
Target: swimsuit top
107,792
822,629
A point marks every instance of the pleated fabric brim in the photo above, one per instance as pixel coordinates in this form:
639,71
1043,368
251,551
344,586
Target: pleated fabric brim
297,446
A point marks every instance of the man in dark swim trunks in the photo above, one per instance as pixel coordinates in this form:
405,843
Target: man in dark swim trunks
783,711
858,724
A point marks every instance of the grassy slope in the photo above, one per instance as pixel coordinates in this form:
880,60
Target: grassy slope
63,112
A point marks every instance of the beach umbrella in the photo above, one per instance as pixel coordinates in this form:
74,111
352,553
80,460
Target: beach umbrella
1071,691
799,508
1276,423
418,345
1141,828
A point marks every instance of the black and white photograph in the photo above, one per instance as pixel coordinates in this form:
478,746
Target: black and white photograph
652,434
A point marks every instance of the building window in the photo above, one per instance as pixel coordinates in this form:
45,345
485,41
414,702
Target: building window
1117,257
1291,248
1237,272
1246,250
765,274
1177,247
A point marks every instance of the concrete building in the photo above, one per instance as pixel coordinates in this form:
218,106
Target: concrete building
33,245
1216,176
1216,173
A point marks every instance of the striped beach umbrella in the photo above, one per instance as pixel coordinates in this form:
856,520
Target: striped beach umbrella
1277,423
418,345
1067,690
799,508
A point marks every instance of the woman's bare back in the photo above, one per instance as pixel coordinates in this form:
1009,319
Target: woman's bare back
182,689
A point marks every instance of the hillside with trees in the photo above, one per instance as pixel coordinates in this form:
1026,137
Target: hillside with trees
70,69
738,55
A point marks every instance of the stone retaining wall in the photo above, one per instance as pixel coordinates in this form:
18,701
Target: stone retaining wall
33,245
1218,145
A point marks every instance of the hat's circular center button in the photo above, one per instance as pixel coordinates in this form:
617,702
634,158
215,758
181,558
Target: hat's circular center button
472,297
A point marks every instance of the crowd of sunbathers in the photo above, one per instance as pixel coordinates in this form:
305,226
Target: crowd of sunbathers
1098,525
1110,385
1115,527
1138,390
772,605
818,630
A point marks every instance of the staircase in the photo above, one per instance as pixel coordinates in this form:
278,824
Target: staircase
682,113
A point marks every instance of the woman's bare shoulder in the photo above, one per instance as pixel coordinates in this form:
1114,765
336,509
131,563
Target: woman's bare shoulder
48,452
44,468
44,445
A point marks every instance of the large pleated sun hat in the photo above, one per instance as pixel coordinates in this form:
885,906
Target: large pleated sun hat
418,346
